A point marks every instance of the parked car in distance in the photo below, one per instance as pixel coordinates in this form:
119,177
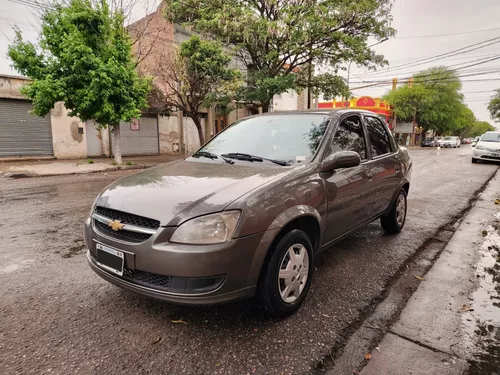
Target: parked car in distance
439,141
429,142
466,141
451,141
487,148
248,212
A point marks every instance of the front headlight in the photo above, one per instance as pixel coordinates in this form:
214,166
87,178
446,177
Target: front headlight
209,229
479,147
92,207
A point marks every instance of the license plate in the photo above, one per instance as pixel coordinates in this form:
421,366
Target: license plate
110,259
495,155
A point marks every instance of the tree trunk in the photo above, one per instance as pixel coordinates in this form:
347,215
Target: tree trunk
117,143
197,122
265,108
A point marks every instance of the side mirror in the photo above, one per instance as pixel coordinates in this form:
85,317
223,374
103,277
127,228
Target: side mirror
340,160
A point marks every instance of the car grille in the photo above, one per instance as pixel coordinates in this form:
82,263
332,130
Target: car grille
147,279
125,218
123,235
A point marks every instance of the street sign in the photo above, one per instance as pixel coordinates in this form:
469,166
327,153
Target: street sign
134,125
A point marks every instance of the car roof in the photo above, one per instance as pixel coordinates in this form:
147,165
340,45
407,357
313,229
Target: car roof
320,111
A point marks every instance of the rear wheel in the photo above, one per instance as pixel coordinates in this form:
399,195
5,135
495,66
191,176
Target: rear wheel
287,276
395,219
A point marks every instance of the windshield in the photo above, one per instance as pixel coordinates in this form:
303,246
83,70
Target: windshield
491,137
292,138
449,138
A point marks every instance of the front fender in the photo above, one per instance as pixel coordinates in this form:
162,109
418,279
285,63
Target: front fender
272,232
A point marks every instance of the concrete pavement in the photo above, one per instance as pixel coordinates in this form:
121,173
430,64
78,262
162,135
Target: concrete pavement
431,335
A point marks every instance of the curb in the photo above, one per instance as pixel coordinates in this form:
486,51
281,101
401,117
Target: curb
17,175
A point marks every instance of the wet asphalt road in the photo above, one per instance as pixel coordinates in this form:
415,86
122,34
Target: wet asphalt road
58,317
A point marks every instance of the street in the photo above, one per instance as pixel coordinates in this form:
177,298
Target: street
59,317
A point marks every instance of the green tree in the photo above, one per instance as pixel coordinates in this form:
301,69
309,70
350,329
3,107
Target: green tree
434,101
83,59
280,41
479,128
197,75
494,106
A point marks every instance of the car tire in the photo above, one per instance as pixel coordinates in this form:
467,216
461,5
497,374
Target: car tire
272,290
393,222
474,160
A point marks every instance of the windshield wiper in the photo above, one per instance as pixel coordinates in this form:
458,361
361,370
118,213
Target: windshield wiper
252,158
211,155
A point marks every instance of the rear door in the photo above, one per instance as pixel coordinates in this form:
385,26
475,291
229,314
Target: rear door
350,190
384,166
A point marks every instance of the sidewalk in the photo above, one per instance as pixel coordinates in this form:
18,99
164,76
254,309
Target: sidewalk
451,324
44,167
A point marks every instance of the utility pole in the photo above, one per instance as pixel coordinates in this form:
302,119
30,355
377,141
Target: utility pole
413,135
394,87
348,74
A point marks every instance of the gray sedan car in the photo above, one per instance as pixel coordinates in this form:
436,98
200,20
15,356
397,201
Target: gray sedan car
248,212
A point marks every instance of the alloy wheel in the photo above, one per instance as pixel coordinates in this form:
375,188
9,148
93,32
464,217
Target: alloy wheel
401,210
293,273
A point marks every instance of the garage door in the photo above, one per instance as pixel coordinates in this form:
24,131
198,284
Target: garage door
23,134
141,139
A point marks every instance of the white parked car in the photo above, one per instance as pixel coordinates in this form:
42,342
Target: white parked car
451,142
439,141
487,148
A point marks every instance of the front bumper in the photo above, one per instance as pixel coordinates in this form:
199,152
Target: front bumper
485,154
228,271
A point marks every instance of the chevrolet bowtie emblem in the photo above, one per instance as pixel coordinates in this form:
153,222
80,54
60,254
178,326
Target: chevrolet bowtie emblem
116,225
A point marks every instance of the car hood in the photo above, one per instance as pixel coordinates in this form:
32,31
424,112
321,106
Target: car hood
174,192
490,146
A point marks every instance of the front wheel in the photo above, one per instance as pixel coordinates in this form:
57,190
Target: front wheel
287,275
474,160
395,219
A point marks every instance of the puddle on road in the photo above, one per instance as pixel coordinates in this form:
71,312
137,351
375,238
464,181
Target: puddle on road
483,321
9,268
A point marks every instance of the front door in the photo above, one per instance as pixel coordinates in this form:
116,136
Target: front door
351,190
384,166
220,123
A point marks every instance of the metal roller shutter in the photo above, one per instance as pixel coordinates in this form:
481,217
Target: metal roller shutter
23,134
140,142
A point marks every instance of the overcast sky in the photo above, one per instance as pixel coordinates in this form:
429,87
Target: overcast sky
420,26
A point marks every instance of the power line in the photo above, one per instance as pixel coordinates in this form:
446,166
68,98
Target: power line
450,34
32,4
389,83
477,61
478,92
442,56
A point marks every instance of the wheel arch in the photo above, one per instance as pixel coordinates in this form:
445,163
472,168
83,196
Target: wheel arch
305,218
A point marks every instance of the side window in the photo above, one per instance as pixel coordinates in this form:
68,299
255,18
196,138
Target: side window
380,142
349,137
